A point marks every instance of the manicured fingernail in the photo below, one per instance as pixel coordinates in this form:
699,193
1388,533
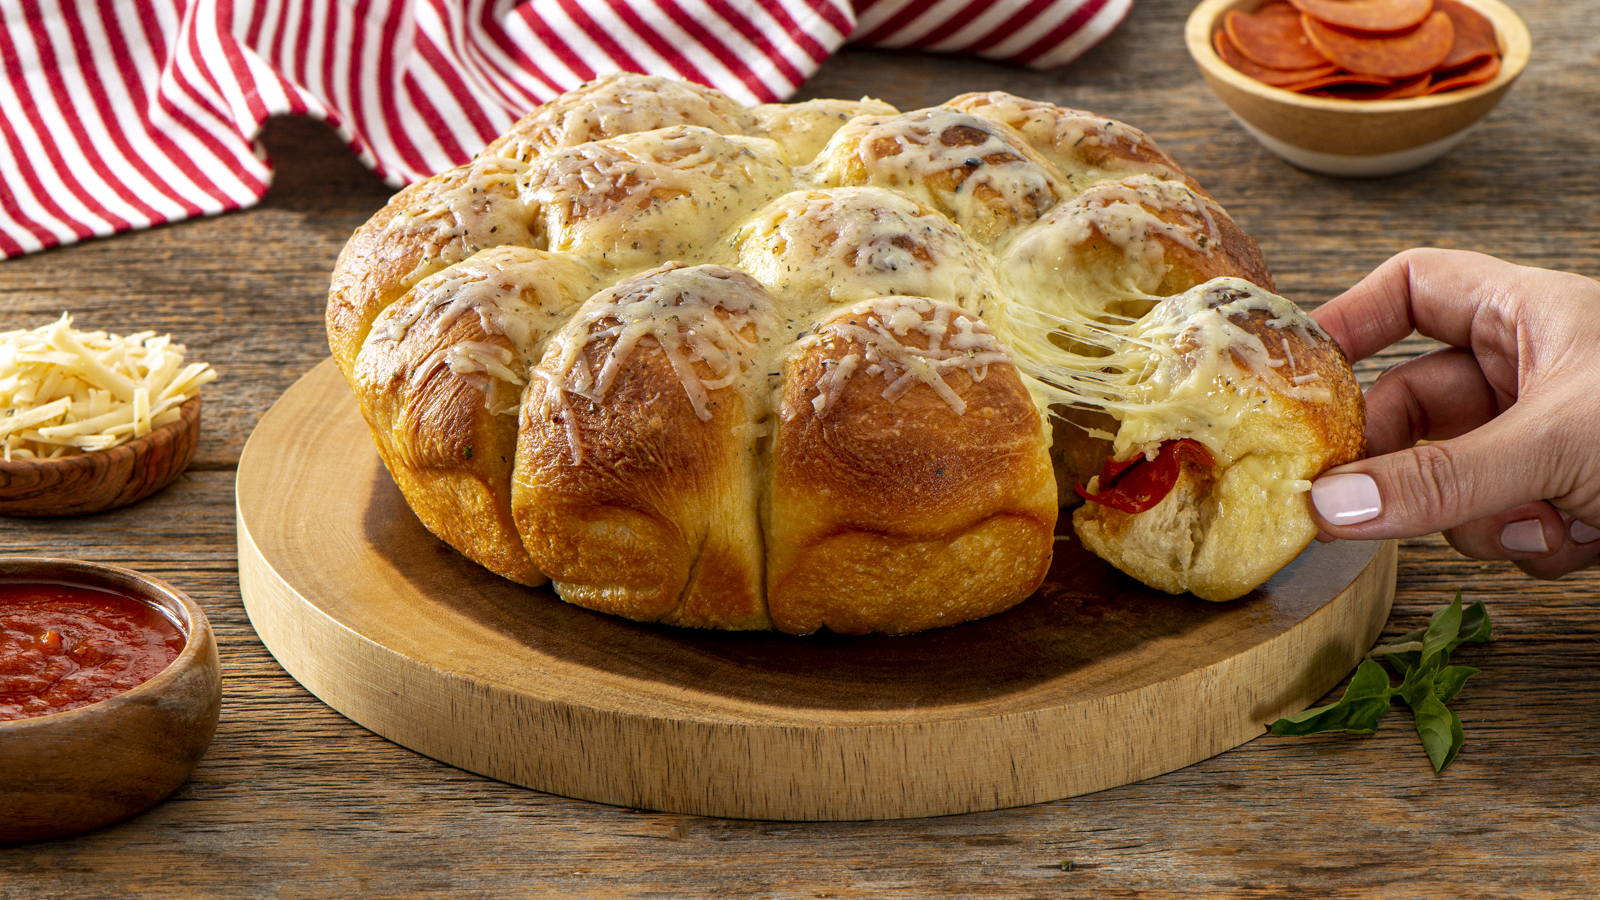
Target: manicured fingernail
1526,536
1347,498
1581,533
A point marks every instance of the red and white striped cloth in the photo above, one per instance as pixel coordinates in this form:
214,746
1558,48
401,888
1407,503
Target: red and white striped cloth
122,114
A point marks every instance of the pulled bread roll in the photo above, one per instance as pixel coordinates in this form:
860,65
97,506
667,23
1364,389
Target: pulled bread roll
1242,400
820,365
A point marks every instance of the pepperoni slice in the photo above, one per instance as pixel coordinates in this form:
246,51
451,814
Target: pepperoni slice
1367,15
1275,77
1338,79
1481,72
1415,86
1474,35
1274,40
1403,55
1138,484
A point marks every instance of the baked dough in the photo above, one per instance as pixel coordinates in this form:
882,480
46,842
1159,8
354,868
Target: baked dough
801,366
1242,373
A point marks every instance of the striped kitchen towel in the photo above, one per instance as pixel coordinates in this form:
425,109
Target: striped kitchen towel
122,114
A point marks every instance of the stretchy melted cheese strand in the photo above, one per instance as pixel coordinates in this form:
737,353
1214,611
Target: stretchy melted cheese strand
64,392
1185,370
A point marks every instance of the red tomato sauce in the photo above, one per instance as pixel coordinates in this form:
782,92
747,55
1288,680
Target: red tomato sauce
63,646
1138,484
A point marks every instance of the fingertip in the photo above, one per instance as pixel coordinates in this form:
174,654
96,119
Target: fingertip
1582,533
1346,498
1533,536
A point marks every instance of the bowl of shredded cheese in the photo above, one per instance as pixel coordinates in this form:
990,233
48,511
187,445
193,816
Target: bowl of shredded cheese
90,421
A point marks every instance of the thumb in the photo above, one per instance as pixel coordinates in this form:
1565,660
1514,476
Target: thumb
1434,487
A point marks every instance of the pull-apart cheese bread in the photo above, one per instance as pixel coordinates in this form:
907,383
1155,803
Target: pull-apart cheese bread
801,366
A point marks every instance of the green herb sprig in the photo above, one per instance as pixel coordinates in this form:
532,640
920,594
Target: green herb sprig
1428,682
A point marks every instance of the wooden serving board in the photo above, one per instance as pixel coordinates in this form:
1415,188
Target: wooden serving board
1094,682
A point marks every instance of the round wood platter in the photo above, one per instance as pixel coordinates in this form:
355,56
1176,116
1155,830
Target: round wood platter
1094,682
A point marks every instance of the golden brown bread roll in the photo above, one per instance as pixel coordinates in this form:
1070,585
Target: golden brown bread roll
637,200
800,366
613,106
803,129
1128,241
909,458
440,379
820,249
1084,147
980,174
637,468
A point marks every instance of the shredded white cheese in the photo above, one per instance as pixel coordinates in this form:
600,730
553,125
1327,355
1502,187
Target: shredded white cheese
64,392
954,339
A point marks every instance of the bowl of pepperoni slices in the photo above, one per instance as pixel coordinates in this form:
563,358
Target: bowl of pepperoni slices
1358,88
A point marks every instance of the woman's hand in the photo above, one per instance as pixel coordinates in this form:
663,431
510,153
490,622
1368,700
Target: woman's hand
1513,402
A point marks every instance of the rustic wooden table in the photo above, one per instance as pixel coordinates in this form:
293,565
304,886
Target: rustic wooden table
294,800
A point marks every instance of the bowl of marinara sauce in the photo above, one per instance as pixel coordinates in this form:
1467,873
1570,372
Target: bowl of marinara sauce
110,689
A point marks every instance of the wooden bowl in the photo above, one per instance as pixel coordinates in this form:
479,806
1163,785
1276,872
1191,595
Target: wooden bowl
102,480
1355,138
83,768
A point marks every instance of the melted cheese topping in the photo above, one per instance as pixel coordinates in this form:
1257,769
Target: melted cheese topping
635,200
479,210
520,294
974,171
953,341
803,129
1141,217
64,392
707,315
1132,213
908,205
819,249
617,104
1069,136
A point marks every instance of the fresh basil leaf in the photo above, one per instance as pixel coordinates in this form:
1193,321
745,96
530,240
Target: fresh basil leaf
1442,630
1364,702
1440,731
1405,661
1428,681
1475,626
1417,685
1410,637
1448,683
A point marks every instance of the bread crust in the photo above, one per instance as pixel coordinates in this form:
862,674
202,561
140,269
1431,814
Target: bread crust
902,514
980,174
1085,147
617,104
425,228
